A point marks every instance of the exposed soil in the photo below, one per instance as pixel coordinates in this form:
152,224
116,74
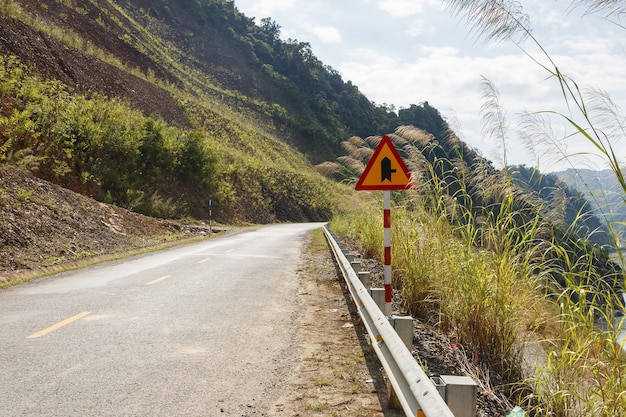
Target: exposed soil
100,24
54,60
45,227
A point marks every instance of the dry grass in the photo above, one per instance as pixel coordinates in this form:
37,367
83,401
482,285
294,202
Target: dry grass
486,276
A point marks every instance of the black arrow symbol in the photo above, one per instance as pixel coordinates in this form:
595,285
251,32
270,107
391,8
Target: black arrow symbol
385,169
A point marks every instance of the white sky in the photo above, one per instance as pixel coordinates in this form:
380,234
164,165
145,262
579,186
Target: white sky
403,52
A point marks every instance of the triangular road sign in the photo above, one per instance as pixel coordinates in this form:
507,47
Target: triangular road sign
385,170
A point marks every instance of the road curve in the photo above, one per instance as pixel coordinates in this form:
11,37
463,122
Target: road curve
197,330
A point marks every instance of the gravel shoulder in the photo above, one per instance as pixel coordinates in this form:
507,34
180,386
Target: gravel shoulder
332,371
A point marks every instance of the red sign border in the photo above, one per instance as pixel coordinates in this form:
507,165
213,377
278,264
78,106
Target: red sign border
384,142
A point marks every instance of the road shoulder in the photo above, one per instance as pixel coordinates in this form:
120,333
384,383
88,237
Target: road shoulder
332,371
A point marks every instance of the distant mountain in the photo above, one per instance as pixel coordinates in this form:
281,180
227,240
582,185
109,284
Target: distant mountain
564,203
604,192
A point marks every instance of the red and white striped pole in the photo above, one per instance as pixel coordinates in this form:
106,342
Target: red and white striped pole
210,207
385,171
387,244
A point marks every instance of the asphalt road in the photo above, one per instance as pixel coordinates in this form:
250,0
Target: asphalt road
197,330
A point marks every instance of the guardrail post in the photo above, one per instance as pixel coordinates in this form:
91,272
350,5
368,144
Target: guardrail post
365,278
378,295
350,256
404,327
460,395
356,266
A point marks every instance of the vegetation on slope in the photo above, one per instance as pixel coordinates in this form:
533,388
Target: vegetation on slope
105,148
160,106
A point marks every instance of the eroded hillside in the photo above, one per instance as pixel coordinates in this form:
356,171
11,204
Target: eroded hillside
54,59
130,106
44,226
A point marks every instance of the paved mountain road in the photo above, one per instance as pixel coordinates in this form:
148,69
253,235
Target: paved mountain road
197,330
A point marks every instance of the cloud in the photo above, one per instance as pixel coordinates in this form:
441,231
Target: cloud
326,34
582,45
268,8
400,8
451,82
419,27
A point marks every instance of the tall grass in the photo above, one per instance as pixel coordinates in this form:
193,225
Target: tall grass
470,294
523,298
583,373
365,228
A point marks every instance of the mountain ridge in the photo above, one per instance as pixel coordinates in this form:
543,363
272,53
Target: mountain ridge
602,189
158,106
253,102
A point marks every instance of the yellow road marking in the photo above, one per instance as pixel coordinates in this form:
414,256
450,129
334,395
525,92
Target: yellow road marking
158,280
58,325
204,260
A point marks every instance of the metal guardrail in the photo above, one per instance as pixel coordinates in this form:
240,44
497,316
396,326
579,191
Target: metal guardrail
414,389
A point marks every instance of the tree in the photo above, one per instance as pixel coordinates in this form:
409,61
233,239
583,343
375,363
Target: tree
271,29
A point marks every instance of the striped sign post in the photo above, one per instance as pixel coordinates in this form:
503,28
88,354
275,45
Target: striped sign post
385,171
210,208
387,246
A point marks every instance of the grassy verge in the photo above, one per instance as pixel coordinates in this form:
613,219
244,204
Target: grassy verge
536,340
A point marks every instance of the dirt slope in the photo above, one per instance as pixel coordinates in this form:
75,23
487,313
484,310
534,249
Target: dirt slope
55,60
44,226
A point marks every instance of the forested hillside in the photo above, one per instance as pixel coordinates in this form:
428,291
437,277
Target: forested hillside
577,209
158,106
